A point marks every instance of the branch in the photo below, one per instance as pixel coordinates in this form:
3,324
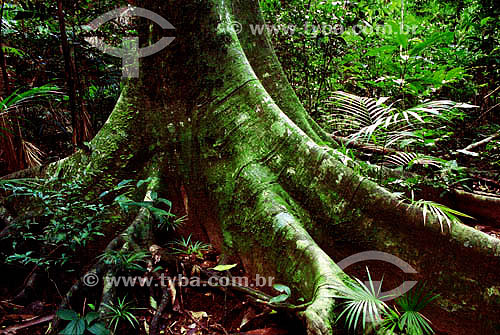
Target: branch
467,150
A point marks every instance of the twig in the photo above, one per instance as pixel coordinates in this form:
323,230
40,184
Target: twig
492,92
36,321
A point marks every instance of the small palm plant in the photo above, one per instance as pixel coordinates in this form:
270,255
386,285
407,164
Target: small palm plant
18,152
187,247
125,260
121,311
409,159
443,213
410,320
363,303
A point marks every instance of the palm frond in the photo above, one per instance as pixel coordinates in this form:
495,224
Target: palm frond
410,158
19,97
362,303
365,118
443,213
411,304
32,154
19,153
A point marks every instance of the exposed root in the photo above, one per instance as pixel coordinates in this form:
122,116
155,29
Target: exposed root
253,193
468,150
285,248
33,172
154,328
483,206
255,295
364,146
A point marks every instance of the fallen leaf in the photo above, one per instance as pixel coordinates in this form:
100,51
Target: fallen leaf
223,267
199,315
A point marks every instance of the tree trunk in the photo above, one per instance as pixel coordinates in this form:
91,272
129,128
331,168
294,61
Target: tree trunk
5,88
70,80
215,110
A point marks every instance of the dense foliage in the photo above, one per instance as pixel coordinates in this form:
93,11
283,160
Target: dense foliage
402,55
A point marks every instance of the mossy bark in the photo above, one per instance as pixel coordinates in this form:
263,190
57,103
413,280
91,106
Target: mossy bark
215,110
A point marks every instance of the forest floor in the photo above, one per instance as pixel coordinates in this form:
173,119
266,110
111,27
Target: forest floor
195,311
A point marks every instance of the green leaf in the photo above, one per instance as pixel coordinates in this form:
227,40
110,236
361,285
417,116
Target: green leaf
379,51
279,299
455,73
223,267
67,314
98,329
153,303
124,182
143,181
75,327
91,317
282,289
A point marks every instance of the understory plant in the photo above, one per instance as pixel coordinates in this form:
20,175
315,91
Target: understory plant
371,120
408,318
119,312
363,305
58,223
81,324
443,213
160,208
187,246
17,151
62,219
125,260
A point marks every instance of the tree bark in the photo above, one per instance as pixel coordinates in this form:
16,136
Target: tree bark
70,81
215,111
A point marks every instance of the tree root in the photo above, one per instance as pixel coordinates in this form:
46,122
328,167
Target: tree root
298,261
468,150
481,206
271,202
154,329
